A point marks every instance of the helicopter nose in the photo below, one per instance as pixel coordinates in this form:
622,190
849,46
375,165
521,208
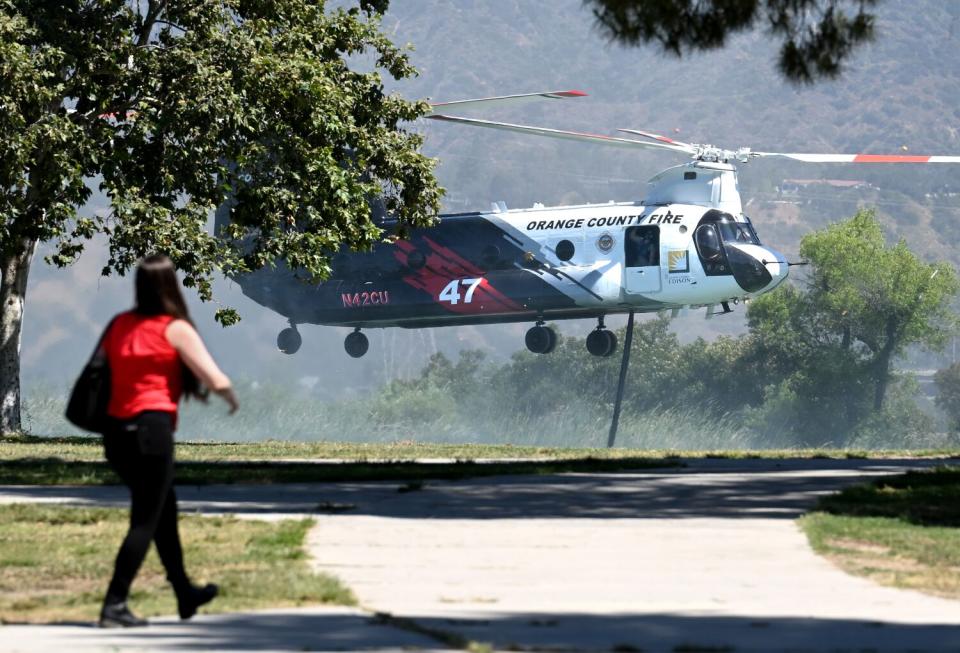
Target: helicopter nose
776,264
756,269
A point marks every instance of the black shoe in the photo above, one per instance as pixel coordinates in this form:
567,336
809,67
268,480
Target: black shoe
118,615
188,601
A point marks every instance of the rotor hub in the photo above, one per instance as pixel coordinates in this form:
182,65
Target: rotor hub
715,154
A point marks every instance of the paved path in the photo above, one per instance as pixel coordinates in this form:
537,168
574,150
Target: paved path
305,629
707,556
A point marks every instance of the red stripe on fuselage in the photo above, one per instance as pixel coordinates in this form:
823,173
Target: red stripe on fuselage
443,265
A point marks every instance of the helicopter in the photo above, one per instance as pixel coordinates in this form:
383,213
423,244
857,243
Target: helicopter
686,245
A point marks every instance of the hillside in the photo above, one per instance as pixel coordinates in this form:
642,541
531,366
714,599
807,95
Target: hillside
901,91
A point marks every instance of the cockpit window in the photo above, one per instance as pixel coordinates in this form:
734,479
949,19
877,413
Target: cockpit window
729,230
716,237
737,232
708,242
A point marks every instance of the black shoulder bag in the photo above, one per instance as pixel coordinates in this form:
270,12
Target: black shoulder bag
90,397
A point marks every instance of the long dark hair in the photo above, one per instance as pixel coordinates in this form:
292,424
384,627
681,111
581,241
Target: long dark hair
158,293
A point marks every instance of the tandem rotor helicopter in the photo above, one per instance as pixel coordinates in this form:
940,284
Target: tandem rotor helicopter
686,245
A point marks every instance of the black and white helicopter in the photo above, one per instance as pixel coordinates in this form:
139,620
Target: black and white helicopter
686,245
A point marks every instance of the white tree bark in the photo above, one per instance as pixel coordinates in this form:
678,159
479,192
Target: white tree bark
14,268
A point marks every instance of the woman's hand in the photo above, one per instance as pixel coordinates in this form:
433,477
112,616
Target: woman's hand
229,396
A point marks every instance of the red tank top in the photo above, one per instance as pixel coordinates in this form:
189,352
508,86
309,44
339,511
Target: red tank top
145,369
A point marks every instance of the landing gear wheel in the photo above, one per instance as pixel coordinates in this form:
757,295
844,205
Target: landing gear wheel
356,344
602,342
541,339
612,337
289,341
553,340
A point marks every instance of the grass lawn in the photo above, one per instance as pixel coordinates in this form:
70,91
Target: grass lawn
79,460
902,531
55,563
27,460
90,449
54,471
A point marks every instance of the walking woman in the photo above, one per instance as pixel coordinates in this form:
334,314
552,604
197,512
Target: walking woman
155,356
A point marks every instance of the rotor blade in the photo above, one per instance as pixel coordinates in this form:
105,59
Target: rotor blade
561,134
501,100
862,158
657,137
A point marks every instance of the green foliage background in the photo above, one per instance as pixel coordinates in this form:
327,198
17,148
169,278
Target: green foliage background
702,395
815,369
170,109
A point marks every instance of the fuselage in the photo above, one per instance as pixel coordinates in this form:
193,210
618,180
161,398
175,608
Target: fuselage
535,264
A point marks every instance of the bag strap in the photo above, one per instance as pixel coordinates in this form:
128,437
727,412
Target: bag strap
103,336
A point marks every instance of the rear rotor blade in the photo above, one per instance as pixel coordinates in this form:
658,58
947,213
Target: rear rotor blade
861,158
522,98
561,134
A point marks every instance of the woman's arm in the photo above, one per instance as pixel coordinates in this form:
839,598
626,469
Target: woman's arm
184,338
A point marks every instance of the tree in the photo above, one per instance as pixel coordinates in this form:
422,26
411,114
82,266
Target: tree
948,393
817,35
814,389
864,303
173,106
877,297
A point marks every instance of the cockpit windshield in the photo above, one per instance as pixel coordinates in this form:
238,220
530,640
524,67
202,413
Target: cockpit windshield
737,232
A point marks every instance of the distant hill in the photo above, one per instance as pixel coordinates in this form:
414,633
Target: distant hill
902,91
899,94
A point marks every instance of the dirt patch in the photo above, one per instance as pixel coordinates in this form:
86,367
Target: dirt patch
881,564
857,546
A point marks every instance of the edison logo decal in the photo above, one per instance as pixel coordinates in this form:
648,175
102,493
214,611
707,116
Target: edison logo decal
678,261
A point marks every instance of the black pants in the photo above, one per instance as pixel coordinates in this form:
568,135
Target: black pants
140,451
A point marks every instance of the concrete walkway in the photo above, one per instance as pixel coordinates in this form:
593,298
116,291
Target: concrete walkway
305,629
707,558
702,558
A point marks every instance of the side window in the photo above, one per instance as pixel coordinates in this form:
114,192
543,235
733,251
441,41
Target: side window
642,246
708,242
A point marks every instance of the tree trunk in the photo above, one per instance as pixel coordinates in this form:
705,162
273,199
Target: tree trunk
850,407
15,268
883,359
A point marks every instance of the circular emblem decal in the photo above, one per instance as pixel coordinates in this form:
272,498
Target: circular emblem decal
605,243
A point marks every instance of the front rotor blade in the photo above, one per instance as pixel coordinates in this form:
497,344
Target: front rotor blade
561,134
522,98
658,137
862,158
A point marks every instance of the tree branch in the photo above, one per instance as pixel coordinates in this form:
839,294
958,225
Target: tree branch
154,9
161,21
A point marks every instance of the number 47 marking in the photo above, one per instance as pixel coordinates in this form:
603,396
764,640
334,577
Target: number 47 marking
451,293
